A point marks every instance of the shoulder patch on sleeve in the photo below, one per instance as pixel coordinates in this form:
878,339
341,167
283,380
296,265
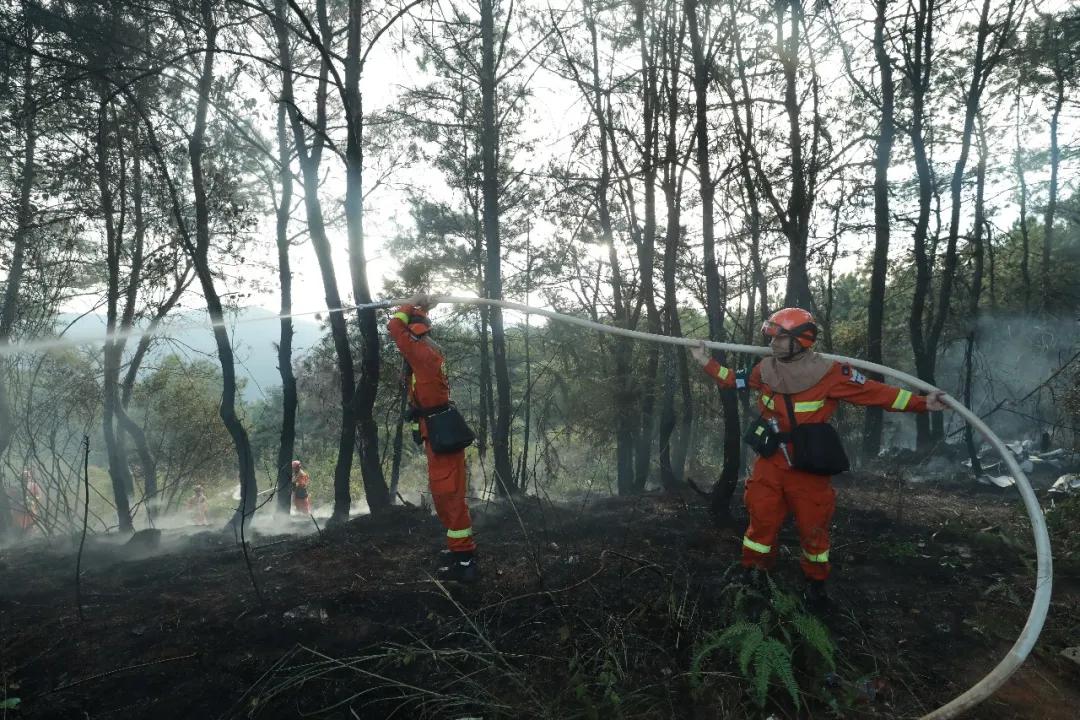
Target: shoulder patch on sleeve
854,375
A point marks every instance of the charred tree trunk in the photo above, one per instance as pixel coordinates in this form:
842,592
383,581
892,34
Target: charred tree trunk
375,490
871,444
796,225
1025,238
399,433
23,227
646,247
309,165
976,290
982,65
119,472
623,405
1052,199
289,398
715,284
489,139
196,146
672,448
917,66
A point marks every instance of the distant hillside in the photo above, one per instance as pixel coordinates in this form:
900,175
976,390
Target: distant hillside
254,332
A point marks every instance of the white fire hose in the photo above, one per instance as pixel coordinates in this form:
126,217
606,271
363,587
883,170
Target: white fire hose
1041,602
1044,576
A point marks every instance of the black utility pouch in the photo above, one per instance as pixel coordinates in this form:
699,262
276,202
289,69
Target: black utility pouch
816,447
447,430
761,438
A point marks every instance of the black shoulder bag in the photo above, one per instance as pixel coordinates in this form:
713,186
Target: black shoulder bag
447,430
815,447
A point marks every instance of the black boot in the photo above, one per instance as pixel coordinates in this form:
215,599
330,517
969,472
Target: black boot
445,557
462,567
816,597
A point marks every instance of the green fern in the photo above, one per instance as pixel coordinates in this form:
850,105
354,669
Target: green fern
769,629
739,636
815,635
772,658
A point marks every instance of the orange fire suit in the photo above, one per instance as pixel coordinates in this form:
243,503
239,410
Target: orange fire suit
301,500
428,389
774,489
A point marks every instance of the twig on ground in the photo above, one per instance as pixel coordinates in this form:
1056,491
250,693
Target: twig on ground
99,676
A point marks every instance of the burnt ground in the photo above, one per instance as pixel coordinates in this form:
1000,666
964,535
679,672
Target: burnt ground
586,610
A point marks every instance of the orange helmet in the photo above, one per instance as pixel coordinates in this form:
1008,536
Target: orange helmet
795,323
295,464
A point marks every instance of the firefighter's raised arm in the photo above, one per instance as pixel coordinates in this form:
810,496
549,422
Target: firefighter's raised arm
723,376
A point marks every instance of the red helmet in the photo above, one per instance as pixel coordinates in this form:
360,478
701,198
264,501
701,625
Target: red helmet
795,323
295,464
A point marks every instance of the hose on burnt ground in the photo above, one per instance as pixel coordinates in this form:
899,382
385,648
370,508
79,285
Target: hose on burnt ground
1016,655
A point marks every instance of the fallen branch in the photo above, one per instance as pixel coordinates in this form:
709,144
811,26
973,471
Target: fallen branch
86,519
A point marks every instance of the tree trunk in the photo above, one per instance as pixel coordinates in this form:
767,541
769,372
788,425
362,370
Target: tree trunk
119,474
309,165
918,67
13,286
127,389
672,448
289,401
489,140
1025,256
1051,201
798,210
399,431
871,444
375,490
646,249
196,146
715,296
976,291
979,72
623,397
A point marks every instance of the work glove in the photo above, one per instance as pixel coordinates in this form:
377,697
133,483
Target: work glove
701,353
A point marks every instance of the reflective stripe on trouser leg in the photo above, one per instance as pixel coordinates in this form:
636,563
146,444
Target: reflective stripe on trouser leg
813,501
446,478
767,508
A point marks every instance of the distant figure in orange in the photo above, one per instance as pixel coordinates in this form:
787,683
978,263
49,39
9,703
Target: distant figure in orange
199,507
300,480
25,503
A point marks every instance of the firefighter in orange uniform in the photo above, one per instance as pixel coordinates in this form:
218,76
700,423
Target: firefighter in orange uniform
796,380
428,389
300,481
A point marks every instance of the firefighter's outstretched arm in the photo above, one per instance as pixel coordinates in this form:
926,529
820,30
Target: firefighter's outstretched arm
854,387
723,376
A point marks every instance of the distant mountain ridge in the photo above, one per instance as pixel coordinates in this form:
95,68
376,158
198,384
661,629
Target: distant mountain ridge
254,333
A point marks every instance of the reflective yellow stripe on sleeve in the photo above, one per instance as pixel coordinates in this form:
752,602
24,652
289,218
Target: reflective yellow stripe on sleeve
459,534
756,546
902,399
809,406
403,317
767,401
722,372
